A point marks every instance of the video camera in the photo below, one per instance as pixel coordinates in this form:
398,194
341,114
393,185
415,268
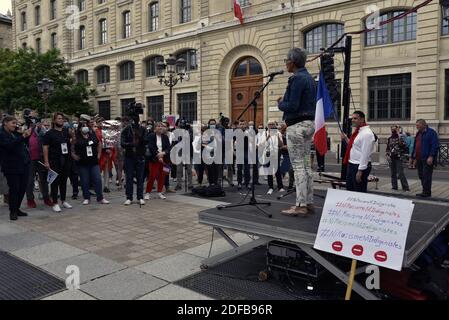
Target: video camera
134,110
224,121
30,120
184,124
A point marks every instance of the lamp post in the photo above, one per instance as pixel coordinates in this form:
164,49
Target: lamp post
170,73
45,88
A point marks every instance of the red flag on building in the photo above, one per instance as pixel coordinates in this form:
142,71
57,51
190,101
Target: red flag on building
238,13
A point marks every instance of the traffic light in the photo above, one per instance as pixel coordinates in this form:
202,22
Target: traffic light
328,68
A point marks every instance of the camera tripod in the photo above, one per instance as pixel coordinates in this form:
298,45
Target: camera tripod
253,201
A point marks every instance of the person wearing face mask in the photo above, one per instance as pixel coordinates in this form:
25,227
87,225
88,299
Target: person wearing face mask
36,156
272,142
159,145
197,145
57,157
15,162
86,151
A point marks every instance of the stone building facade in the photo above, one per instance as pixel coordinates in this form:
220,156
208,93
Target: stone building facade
398,74
6,34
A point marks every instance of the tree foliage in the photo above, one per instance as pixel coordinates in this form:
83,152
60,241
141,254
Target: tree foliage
20,72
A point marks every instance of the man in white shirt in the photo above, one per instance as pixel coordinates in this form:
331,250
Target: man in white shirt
358,154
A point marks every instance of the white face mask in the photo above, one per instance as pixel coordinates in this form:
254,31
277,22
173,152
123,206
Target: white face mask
212,126
251,127
85,130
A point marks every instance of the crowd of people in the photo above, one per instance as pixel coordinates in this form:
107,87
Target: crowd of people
90,152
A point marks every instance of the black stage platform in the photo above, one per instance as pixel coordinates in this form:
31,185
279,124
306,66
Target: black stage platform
428,220
238,279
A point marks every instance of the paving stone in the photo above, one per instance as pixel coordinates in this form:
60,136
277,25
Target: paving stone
70,295
22,240
124,285
91,267
173,268
174,292
7,229
47,253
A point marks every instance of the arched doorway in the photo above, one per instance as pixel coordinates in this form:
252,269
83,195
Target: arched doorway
247,78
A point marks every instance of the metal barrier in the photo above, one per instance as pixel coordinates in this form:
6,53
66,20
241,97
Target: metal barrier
443,154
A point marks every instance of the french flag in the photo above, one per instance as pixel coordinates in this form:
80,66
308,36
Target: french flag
238,12
324,109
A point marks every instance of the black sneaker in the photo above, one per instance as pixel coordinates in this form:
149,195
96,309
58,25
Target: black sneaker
106,190
75,197
20,213
13,216
424,195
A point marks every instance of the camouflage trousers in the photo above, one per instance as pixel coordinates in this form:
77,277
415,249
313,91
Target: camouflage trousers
299,140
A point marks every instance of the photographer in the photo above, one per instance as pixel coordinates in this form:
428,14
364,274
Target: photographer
15,161
37,157
133,141
184,125
212,169
57,146
225,125
170,135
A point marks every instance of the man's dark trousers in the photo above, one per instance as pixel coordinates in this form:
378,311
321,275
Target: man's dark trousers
425,173
351,182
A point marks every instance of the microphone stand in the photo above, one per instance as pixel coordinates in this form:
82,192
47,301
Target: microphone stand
253,201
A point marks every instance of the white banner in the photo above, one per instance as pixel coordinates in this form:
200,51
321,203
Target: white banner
365,227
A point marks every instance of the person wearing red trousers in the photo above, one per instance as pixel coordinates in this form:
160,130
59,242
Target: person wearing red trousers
159,147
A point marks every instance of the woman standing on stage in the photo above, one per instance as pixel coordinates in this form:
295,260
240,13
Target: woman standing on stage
298,105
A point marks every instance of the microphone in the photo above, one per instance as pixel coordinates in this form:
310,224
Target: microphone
273,74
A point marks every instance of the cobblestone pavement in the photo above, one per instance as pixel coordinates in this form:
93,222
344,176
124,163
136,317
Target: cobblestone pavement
123,252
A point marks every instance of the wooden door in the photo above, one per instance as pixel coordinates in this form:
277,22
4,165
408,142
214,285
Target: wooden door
246,82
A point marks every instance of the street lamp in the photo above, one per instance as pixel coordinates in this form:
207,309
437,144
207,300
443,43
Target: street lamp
45,88
445,9
170,73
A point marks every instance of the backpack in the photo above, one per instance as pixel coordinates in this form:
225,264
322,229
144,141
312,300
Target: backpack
209,192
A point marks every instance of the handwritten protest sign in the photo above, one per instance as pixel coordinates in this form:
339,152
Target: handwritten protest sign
365,227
